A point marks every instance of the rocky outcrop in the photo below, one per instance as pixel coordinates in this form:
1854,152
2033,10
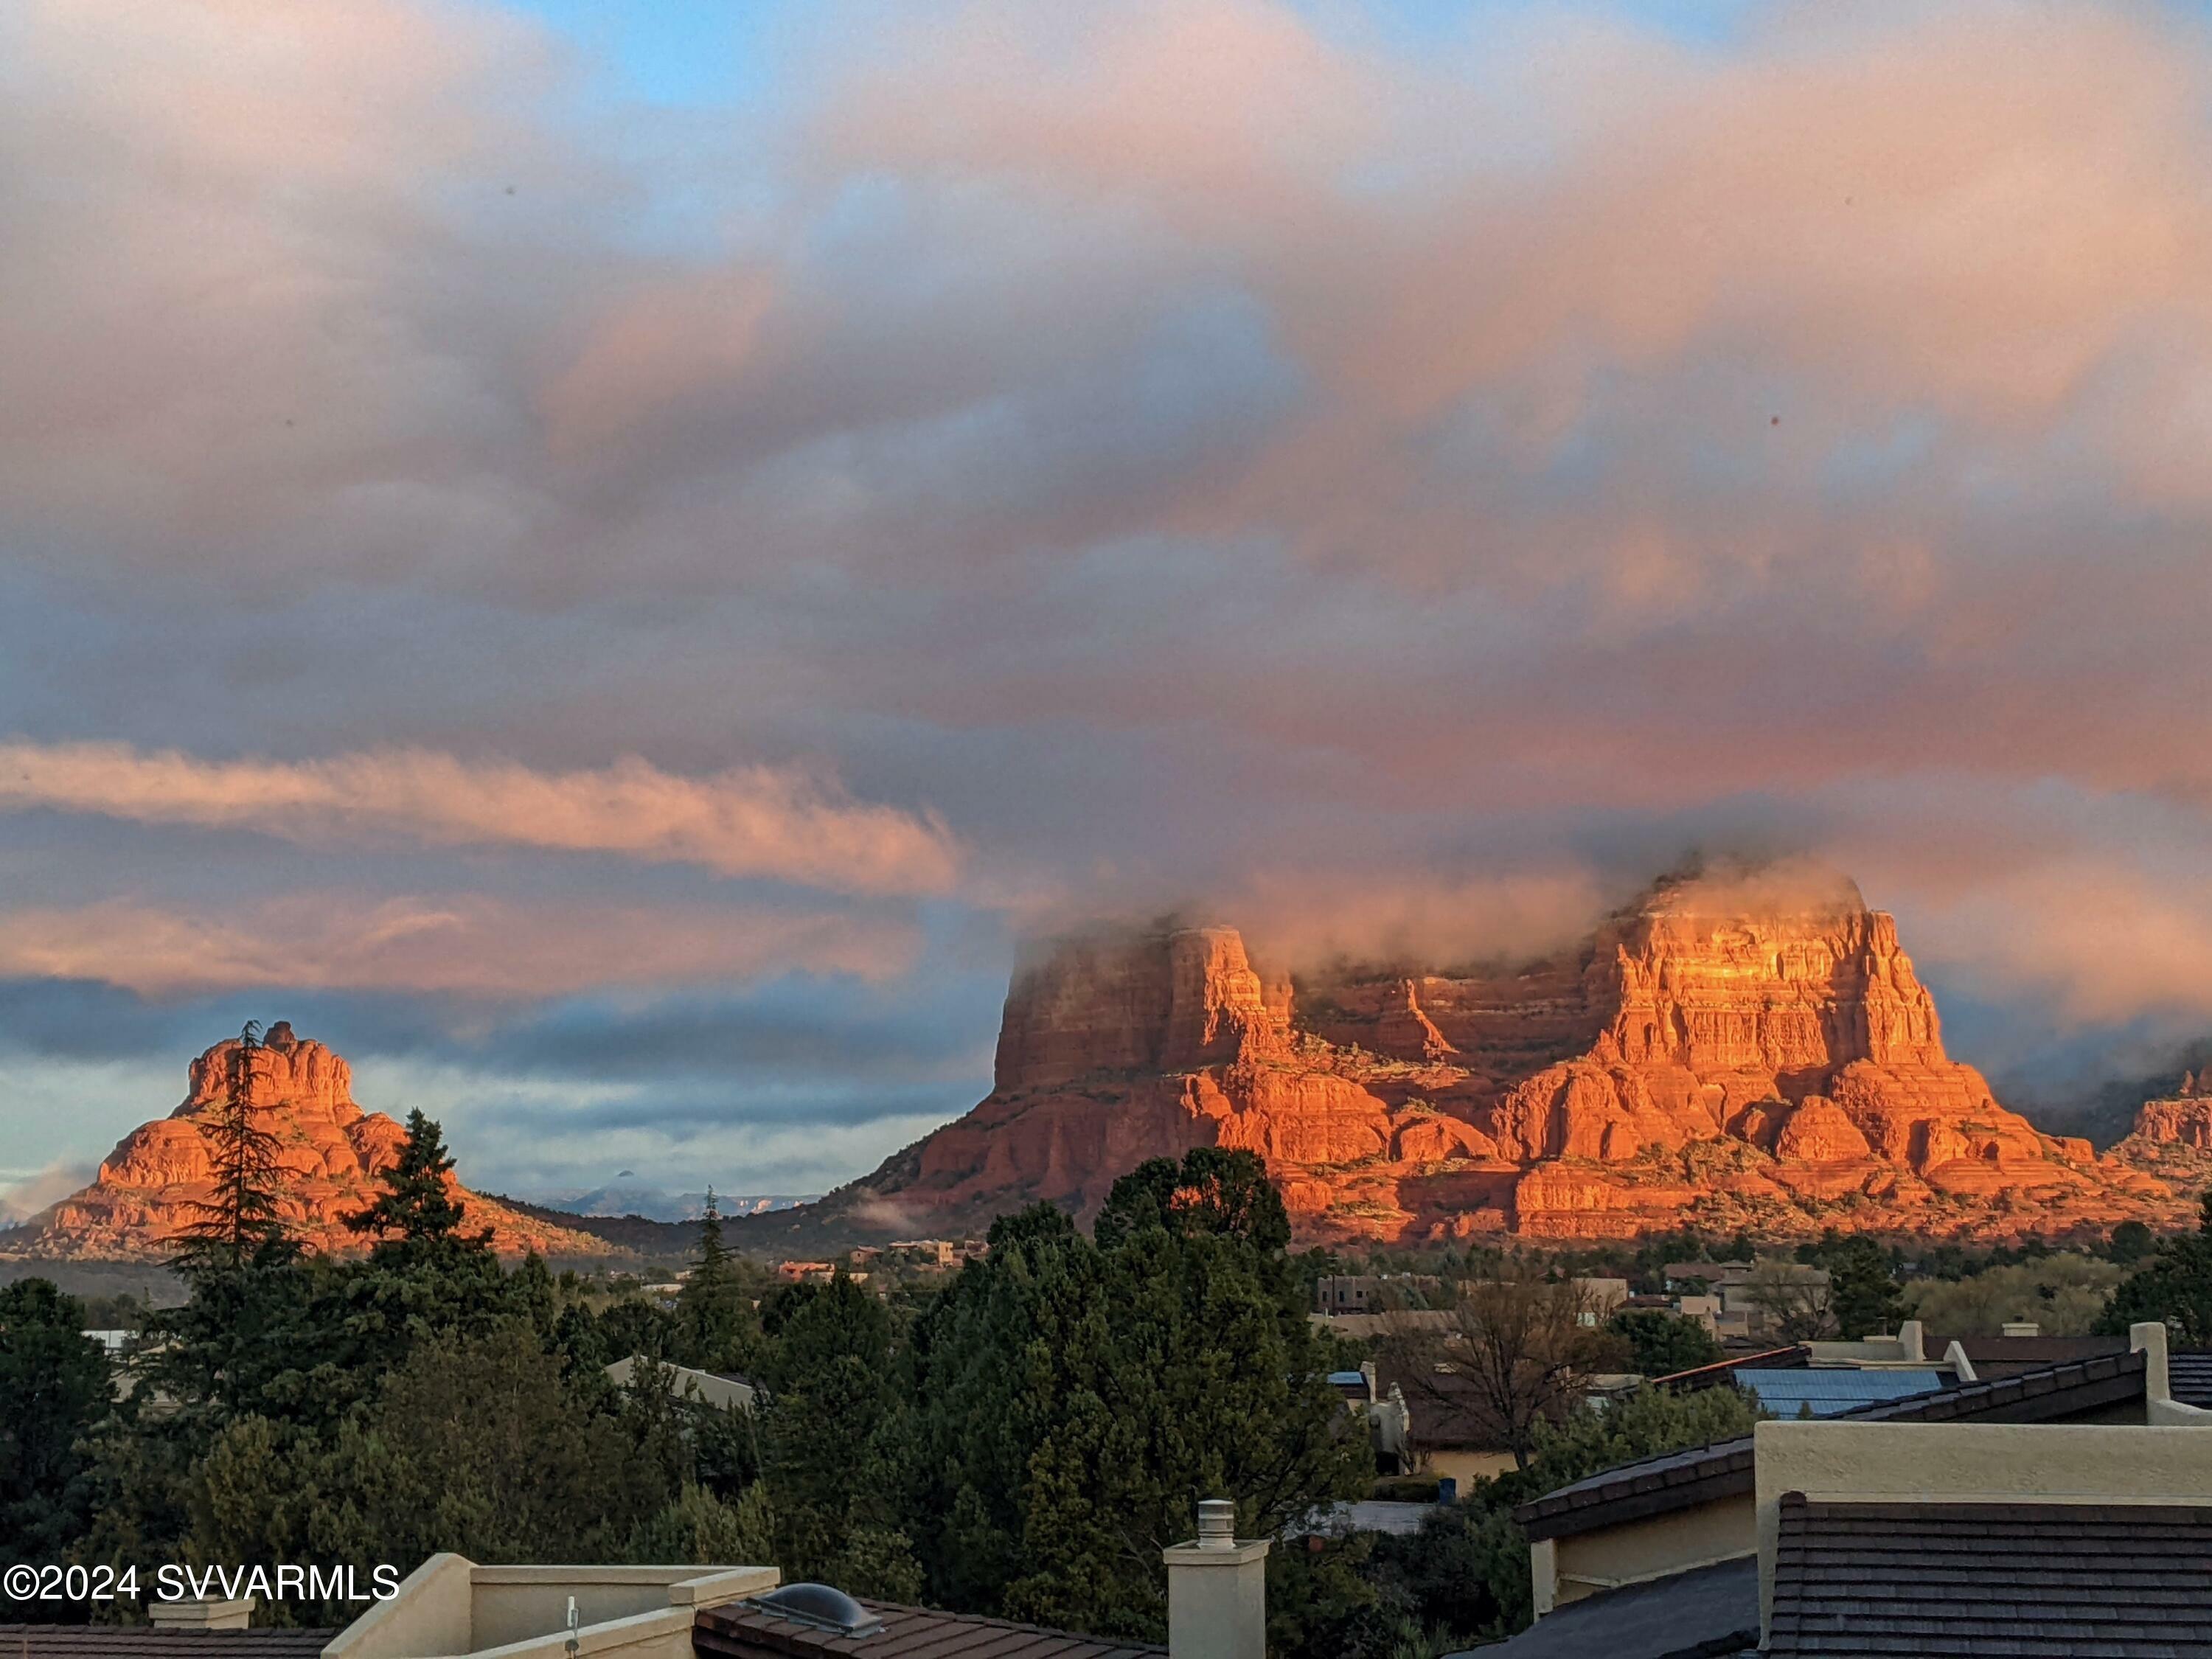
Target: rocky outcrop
1711,1054
2182,1120
329,1152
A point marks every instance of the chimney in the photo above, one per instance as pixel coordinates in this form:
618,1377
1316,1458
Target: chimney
201,1615
2147,1337
2022,1327
1218,1590
1912,1336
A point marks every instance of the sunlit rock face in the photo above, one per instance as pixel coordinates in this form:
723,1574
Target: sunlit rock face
1719,1055
330,1151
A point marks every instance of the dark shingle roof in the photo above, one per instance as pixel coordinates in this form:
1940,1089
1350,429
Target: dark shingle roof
2123,1581
2189,1375
743,1630
2007,1356
1690,1616
147,1642
1682,1480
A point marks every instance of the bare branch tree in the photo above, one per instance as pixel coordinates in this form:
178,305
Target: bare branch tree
1793,1298
1513,1350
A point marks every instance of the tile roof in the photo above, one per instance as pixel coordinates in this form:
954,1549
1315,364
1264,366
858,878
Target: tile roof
1443,1409
2189,1375
1689,1615
148,1642
1682,1480
2123,1581
743,1629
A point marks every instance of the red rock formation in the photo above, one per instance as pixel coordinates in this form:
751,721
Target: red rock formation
330,1151
1708,1056
2185,1119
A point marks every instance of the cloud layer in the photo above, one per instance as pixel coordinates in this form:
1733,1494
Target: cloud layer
755,821
1395,483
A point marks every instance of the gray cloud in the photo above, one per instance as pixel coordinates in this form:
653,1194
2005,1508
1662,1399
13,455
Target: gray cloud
1200,455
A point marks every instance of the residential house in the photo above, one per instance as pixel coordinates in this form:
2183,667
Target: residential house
1745,1301
1697,1551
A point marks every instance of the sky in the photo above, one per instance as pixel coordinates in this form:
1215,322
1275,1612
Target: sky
611,562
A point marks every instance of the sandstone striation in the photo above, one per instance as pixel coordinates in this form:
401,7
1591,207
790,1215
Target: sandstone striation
1712,1054
330,1151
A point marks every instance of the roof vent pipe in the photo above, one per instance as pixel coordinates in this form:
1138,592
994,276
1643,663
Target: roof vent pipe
1216,1524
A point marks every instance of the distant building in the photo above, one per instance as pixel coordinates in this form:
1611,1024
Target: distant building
722,1389
932,1252
1361,1294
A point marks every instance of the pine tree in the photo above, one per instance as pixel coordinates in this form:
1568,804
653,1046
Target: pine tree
714,1259
716,1328
417,1206
242,1220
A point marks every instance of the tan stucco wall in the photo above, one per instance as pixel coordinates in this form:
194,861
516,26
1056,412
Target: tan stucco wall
430,1615
1971,1462
515,1603
1467,1466
1588,1561
451,1606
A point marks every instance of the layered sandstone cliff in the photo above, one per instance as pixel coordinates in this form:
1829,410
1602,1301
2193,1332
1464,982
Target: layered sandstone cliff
330,1151
1711,1054
2171,1140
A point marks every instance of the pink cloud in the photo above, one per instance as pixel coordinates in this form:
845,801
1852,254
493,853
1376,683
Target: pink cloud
756,821
437,945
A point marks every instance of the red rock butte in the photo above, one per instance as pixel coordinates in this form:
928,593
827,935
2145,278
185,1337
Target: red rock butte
330,1151
1708,1056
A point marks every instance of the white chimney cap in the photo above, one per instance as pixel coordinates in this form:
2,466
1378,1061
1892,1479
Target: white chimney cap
2022,1327
1216,1524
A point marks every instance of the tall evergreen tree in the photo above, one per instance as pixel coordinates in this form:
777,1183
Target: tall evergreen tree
53,1388
242,1218
1077,1399
716,1328
838,1443
1862,1296
417,1206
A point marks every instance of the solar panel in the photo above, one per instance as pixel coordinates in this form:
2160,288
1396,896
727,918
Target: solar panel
1786,1393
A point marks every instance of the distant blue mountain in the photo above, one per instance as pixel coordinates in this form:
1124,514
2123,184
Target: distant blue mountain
619,1198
